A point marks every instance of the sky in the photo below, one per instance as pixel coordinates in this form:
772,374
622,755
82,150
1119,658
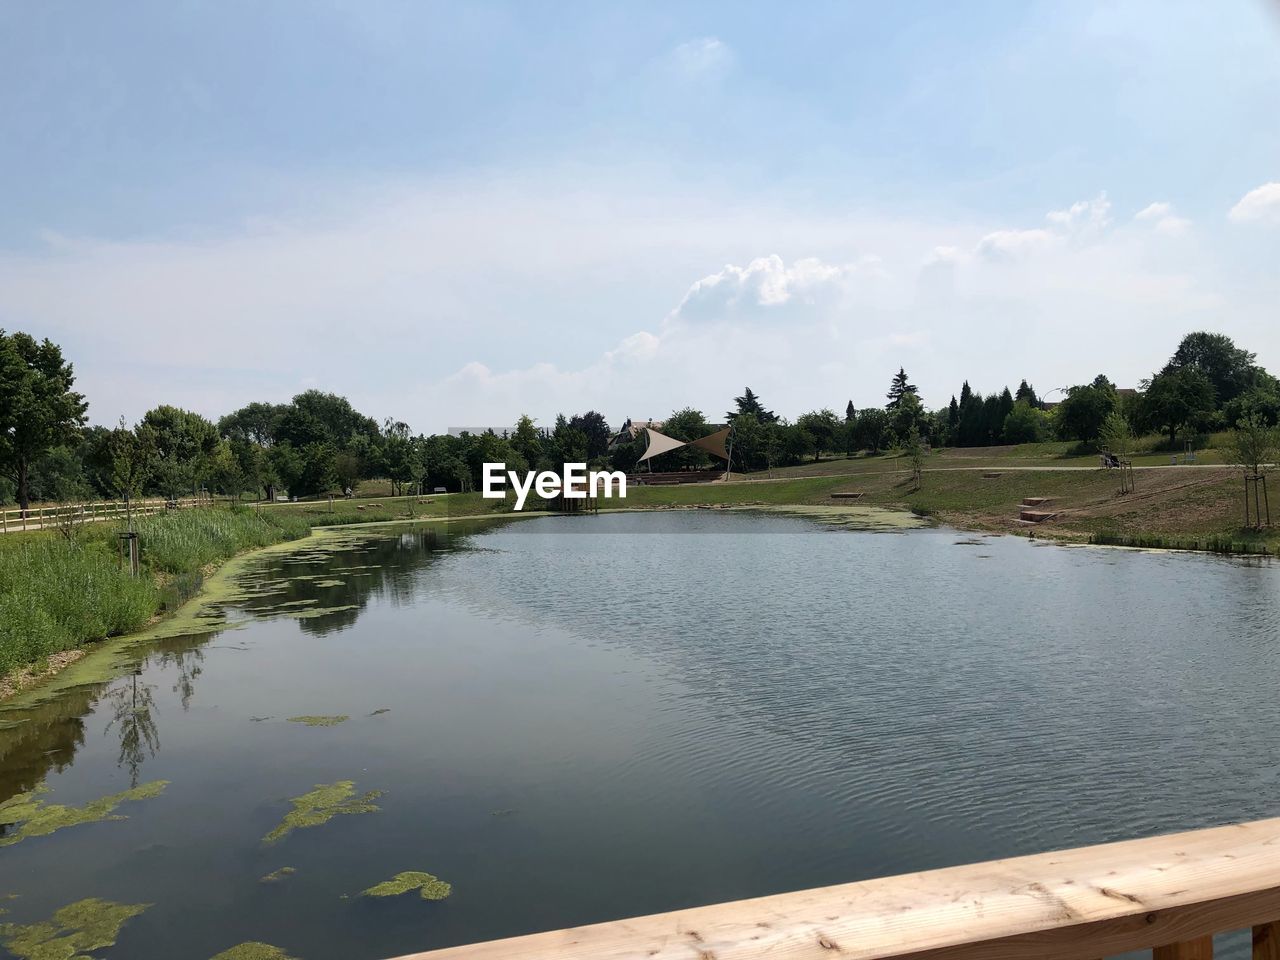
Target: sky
458,213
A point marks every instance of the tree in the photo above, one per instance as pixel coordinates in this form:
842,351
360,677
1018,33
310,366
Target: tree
1026,394
1023,424
873,429
687,424
750,403
907,416
821,426
914,450
749,438
1228,368
899,388
1253,444
1116,435
595,428
38,408
255,423
1177,399
1081,413
132,457
183,440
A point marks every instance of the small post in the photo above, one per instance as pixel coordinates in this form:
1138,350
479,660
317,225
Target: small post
1266,941
1201,948
129,549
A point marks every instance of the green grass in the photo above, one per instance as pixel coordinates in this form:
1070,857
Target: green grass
58,593
54,595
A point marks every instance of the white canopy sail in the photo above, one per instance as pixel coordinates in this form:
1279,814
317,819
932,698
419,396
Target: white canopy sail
659,443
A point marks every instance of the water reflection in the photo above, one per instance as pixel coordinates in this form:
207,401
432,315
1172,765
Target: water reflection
40,738
134,723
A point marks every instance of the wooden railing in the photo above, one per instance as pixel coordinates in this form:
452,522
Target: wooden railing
1168,894
41,516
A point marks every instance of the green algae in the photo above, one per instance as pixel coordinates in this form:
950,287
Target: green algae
72,932
253,950
320,611
852,517
429,887
317,807
275,876
39,819
321,720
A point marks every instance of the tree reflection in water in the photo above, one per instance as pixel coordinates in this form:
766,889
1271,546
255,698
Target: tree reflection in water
132,706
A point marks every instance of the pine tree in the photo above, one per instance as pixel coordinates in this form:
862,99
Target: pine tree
899,387
750,403
1026,394
849,412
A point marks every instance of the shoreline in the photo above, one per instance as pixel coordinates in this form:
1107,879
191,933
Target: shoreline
61,670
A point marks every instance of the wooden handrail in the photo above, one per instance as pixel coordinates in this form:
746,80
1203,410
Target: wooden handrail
1169,894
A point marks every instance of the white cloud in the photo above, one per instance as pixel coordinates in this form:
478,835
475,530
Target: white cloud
1005,245
472,303
702,57
1162,218
1260,204
1084,217
766,285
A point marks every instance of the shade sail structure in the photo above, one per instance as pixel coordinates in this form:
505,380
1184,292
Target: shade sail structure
659,443
714,443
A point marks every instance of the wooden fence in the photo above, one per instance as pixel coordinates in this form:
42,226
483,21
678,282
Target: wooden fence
42,516
1167,894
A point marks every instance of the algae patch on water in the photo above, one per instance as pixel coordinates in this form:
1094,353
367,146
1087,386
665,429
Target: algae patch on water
317,807
275,876
38,819
847,515
321,721
72,932
253,950
429,887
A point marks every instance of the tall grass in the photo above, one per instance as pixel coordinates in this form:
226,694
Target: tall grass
187,540
57,593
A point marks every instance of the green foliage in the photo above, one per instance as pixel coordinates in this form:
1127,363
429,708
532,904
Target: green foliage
73,931
749,405
1024,424
55,594
821,426
38,408
1177,399
899,388
1229,370
1253,444
320,805
1084,409
35,818
428,886
186,540
1116,436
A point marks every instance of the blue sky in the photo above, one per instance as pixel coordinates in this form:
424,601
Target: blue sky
456,213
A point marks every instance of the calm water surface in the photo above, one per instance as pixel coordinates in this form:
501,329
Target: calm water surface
587,718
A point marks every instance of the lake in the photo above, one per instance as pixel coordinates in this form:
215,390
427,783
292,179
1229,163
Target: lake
574,719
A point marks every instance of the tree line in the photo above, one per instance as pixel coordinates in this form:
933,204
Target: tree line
318,442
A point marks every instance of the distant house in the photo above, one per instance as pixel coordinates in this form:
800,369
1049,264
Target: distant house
632,429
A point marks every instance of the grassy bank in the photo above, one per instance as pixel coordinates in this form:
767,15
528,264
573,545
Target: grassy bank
58,593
